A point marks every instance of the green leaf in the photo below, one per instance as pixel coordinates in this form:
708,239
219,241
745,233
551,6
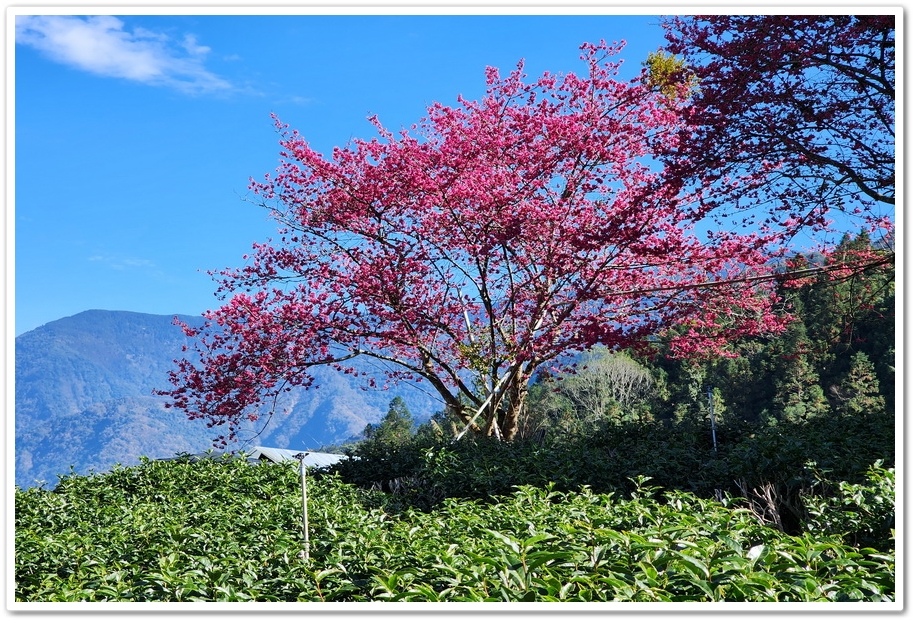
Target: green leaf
512,543
697,568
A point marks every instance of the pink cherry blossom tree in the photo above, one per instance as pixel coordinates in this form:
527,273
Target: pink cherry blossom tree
493,237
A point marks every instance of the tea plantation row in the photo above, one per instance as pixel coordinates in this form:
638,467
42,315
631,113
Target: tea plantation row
213,530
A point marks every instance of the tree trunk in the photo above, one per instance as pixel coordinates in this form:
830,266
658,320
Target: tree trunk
514,402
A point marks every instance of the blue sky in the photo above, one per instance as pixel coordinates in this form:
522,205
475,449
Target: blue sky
136,135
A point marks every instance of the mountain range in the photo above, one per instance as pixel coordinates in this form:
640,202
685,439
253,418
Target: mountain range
84,399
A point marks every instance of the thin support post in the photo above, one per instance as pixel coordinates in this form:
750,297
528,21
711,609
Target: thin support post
484,404
712,419
305,511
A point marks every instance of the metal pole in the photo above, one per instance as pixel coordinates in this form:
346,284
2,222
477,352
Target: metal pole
712,419
305,511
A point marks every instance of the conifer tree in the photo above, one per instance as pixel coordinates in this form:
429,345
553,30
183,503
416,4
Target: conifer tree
396,427
799,396
859,394
847,313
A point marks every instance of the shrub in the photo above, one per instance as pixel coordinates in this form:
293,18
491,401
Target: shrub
229,531
862,515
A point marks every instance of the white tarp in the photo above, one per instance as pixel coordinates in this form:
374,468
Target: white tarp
274,455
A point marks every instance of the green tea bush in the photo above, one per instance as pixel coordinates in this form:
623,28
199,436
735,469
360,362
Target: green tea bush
230,531
772,456
859,514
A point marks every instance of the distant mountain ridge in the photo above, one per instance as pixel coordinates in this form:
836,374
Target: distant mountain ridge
84,399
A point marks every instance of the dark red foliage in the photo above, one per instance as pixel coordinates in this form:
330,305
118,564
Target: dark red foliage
810,97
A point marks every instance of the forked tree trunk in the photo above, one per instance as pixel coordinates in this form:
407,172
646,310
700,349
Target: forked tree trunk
500,419
513,406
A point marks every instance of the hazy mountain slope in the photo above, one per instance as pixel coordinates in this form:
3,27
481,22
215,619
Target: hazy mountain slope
84,398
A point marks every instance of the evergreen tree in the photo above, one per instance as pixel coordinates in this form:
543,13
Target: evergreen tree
859,394
799,396
846,313
396,427
745,381
688,391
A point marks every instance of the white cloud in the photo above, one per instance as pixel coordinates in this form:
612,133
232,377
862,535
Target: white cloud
190,44
120,262
101,45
